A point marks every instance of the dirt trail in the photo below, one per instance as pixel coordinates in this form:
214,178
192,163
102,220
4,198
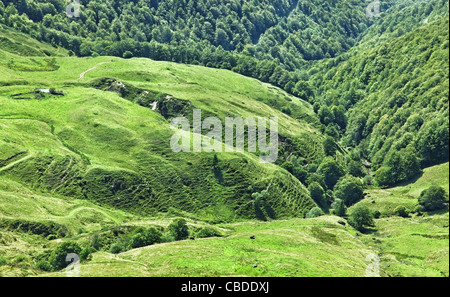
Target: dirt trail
16,162
85,208
90,69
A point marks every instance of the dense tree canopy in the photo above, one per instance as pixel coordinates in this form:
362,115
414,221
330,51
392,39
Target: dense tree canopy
332,171
395,97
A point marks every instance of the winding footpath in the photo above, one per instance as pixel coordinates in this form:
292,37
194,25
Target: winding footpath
90,69
16,162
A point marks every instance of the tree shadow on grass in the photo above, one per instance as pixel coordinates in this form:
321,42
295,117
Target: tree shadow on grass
368,230
409,181
438,211
218,174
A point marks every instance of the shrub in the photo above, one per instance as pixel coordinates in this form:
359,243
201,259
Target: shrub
331,171
314,213
261,206
360,217
376,214
206,232
315,177
143,237
116,248
419,209
367,180
286,110
300,173
399,166
44,265
19,259
153,235
85,254
3,261
167,237
340,208
329,146
127,55
383,176
303,213
179,229
316,192
433,198
58,256
288,166
355,168
95,241
401,211
312,167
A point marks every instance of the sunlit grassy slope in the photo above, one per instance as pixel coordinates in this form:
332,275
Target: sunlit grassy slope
95,160
97,145
20,44
417,245
92,160
414,246
297,247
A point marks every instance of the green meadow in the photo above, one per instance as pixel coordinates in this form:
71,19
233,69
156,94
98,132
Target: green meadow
414,246
90,132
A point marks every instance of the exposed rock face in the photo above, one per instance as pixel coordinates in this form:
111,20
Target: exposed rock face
165,104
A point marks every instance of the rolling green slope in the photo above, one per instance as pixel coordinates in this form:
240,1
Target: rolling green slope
413,246
21,44
417,245
102,146
98,160
292,248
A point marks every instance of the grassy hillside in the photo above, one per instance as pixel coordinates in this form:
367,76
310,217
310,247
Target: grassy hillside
386,200
413,246
290,248
97,161
103,146
21,44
